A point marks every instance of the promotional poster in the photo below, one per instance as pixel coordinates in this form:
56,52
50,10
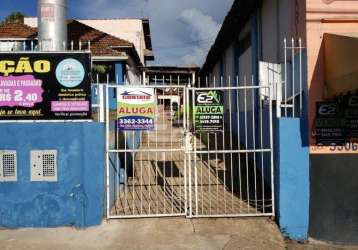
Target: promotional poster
136,109
43,86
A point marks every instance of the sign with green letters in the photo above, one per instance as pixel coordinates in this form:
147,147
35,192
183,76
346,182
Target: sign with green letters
209,110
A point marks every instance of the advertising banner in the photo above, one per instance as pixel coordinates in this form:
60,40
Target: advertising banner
336,125
135,109
330,123
209,110
45,86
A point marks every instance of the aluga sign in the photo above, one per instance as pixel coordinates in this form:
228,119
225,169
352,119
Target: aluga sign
136,108
209,110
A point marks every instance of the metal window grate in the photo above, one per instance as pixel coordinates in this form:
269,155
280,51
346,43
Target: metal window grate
48,164
8,166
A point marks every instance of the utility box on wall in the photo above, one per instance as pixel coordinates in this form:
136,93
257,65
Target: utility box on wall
43,165
59,186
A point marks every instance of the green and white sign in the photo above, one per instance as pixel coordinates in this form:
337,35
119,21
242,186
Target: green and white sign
209,110
136,108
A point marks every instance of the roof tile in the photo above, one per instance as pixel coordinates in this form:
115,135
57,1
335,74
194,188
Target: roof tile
17,30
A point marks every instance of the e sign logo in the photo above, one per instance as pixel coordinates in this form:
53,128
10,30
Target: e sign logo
210,97
328,109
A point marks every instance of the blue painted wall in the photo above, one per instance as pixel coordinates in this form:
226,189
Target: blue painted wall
77,198
292,178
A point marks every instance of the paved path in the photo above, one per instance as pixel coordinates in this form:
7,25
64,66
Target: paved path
157,186
166,234
159,234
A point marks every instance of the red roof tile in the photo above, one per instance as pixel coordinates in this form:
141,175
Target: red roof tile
102,44
17,30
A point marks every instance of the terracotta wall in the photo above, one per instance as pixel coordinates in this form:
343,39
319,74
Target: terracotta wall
324,16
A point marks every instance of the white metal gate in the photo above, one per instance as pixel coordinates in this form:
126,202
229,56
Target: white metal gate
150,166
177,171
231,171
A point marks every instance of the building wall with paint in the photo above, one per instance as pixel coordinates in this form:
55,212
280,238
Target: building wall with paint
77,198
332,51
261,38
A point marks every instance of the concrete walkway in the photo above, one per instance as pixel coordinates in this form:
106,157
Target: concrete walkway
159,234
156,186
166,234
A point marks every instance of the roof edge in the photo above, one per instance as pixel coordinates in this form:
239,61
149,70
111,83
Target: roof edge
239,14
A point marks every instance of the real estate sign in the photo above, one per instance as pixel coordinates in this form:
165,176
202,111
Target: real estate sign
336,125
45,86
135,108
209,110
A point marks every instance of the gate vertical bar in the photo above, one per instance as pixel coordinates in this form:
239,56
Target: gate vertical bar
107,152
272,157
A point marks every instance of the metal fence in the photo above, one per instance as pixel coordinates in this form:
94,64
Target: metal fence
176,170
36,45
151,164
231,171
291,99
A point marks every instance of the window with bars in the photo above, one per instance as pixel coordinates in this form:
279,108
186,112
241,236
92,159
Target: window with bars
48,164
8,166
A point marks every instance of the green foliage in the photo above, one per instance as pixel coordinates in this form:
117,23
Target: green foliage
101,69
15,17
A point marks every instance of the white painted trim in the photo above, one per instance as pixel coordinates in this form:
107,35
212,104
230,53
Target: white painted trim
46,52
17,39
109,58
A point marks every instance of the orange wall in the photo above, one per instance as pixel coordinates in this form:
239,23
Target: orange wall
324,16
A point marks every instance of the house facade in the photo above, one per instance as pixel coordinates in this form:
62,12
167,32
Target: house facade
74,198
304,50
137,49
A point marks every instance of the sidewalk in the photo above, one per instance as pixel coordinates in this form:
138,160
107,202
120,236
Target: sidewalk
176,233
161,234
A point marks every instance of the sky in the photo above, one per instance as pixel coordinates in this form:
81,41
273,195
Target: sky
182,30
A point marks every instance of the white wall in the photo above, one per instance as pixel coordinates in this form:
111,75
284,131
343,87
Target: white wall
31,21
127,29
11,45
133,74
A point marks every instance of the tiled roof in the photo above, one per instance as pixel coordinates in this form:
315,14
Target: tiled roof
17,30
102,44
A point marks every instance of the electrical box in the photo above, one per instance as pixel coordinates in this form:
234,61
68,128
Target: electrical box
44,165
8,166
